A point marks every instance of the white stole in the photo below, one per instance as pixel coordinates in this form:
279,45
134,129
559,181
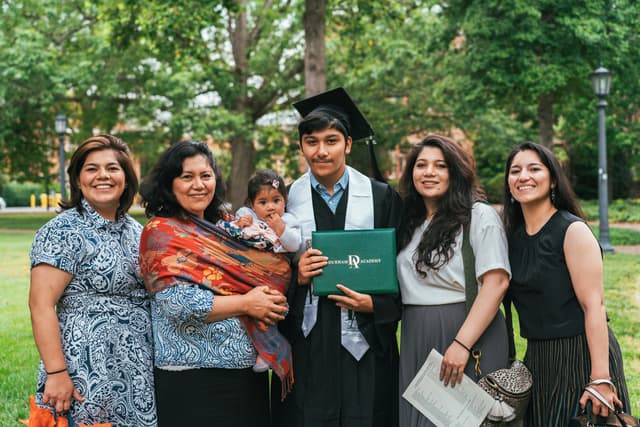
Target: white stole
359,216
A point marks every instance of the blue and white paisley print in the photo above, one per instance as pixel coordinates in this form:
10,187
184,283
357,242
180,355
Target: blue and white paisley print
104,316
184,341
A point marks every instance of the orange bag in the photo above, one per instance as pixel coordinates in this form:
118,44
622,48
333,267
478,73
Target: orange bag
44,417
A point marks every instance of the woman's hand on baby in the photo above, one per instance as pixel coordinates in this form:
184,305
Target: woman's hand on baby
266,304
244,221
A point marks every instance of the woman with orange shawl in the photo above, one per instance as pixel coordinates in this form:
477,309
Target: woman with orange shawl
209,296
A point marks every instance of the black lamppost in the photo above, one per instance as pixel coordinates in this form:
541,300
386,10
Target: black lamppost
61,130
601,79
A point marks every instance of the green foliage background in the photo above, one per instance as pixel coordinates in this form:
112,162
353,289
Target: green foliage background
155,72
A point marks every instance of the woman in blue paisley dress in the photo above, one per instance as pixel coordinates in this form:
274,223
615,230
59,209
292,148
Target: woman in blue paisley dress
89,309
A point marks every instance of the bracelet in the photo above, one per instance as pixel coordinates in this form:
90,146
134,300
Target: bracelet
607,381
462,345
56,372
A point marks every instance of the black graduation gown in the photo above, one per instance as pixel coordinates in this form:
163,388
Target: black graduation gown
331,388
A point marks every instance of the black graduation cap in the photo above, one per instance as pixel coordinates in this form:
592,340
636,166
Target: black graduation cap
337,103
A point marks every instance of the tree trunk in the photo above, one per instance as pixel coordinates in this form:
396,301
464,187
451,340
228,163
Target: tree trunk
315,64
545,119
242,156
242,150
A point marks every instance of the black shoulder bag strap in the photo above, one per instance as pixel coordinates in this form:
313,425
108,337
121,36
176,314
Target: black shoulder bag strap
469,261
471,289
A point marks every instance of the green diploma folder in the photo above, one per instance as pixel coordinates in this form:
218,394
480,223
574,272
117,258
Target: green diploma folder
362,260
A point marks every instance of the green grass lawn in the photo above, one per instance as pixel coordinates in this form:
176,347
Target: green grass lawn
619,236
18,353
19,357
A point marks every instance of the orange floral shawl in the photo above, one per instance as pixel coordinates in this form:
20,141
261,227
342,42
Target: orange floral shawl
198,252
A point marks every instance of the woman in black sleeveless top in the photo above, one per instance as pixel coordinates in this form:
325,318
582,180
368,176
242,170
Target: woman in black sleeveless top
557,289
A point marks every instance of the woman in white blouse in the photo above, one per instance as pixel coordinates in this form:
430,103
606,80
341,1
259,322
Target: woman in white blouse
440,191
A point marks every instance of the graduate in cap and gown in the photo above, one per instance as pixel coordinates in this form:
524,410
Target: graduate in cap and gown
345,353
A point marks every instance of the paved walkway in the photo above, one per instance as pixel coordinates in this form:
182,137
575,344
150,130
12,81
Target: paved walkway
629,249
628,225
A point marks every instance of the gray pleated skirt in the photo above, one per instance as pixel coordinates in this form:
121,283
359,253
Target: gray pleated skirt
560,369
428,327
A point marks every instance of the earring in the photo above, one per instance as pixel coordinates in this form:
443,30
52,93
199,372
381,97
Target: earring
553,196
512,201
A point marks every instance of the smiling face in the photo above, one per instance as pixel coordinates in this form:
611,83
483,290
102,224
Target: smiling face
195,187
102,182
326,153
529,179
268,201
431,176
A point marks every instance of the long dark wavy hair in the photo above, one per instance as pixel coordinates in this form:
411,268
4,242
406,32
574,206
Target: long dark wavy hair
564,197
157,187
79,157
454,208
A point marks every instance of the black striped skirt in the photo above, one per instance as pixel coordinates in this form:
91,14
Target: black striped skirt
560,369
